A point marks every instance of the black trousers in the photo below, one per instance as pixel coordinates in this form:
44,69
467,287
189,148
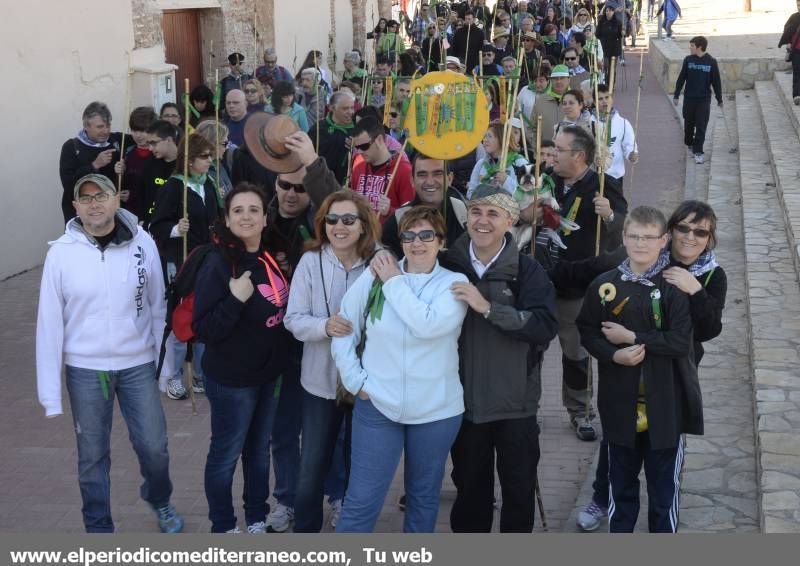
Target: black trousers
695,122
662,469
516,443
796,73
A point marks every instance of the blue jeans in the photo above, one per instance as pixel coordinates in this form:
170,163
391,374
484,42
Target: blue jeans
336,480
377,445
136,390
241,422
179,353
322,421
285,441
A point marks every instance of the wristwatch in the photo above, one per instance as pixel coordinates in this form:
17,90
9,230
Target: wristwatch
610,218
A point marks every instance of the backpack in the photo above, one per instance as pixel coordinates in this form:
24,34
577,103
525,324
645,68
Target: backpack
180,300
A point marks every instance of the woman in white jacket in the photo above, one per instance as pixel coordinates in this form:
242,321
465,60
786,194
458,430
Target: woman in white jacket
409,396
347,231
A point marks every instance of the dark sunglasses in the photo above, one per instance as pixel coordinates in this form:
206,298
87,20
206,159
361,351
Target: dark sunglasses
393,115
698,232
347,219
364,146
287,186
250,91
570,58
408,236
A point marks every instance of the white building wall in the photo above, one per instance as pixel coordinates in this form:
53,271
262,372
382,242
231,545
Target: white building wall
57,57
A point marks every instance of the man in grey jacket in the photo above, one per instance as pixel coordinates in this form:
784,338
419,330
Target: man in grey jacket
510,322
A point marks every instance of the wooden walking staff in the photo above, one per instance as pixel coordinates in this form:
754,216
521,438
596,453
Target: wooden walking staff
394,169
216,130
127,117
507,125
188,378
316,93
536,172
636,121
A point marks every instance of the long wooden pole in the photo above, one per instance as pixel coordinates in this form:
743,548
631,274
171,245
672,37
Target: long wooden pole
188,379
127,118
507,125
216,130
536,171
316,94
636,121
186,169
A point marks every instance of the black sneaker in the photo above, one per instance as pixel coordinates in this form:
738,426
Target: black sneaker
401,503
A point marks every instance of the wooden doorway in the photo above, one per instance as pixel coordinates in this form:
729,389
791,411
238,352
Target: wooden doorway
182,46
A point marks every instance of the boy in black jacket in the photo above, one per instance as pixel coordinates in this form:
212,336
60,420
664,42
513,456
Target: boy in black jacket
640,330
700,73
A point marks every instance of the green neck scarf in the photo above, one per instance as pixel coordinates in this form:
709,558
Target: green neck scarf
493,166
342,128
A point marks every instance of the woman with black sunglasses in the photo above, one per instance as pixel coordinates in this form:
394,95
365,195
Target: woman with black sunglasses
346,234
693,268
400,360
239,306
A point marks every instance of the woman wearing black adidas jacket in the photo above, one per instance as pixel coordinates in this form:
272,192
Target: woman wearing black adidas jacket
240,302
693,269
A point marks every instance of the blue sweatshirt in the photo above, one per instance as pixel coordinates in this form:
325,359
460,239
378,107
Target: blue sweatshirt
246,343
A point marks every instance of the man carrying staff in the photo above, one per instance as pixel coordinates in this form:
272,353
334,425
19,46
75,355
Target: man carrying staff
94,150
105,270
577,190
467,42
331,135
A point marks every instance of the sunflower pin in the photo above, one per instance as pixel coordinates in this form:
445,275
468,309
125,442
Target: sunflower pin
607,293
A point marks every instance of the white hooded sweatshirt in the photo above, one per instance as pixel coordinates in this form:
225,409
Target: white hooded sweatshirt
100,310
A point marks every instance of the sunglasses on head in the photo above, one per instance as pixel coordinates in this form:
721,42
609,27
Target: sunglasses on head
698,232
408,236
347,219
287,186
366,145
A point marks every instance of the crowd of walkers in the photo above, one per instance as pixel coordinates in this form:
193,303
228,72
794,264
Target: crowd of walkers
355,300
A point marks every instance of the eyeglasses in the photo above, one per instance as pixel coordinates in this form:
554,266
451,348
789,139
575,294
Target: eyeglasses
366,145
698,232
250,91
165,116
287,186
153,143
649,240
99,197
562,150
268,62
205,155
408,236
347,219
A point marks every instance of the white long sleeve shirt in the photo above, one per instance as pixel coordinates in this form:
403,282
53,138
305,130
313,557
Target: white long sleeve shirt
623,143
100,310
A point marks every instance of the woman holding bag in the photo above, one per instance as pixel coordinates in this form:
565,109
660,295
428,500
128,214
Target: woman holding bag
346,230
409,396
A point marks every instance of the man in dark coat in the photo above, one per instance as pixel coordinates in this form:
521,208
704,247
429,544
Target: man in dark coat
96,149
467,42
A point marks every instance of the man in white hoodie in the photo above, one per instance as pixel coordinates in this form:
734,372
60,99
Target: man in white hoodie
101,314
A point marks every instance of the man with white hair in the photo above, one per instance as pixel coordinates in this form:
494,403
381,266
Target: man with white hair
270,72
312,95
352,59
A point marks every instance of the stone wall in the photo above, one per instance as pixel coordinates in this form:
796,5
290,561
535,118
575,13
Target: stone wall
737,73
147,30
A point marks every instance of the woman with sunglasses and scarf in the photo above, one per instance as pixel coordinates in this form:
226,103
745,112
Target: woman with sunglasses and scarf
409,398
691,265
239,305
347,231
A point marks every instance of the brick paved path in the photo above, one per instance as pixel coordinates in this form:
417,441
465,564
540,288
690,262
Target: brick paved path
38,463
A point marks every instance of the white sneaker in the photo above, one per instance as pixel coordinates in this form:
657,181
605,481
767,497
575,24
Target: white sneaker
336,510
278,521
699,158
259,528
234,531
